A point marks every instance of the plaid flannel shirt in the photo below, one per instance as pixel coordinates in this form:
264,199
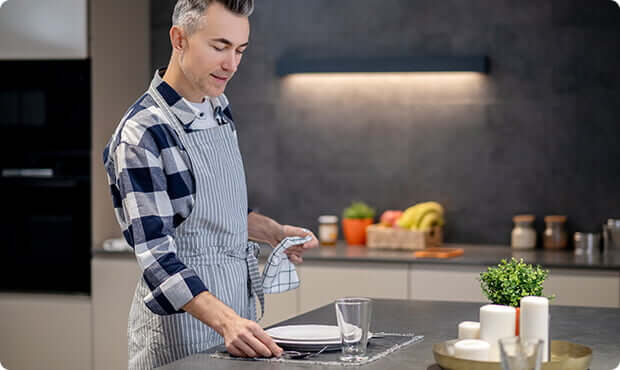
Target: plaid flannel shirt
153,192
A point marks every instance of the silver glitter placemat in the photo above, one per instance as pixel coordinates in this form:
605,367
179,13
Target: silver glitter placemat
377,349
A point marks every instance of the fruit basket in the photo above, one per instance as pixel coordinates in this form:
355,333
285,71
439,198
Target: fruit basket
383,237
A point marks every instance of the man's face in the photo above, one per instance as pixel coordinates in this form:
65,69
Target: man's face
212,53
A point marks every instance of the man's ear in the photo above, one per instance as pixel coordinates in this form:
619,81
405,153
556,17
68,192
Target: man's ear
177,38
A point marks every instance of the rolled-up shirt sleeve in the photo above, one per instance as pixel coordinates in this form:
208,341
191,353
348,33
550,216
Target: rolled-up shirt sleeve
147,209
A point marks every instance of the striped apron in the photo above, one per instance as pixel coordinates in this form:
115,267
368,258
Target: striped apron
213,241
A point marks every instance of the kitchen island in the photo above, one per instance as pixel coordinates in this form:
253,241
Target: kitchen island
596,328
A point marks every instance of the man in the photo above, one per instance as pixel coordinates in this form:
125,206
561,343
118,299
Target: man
179,191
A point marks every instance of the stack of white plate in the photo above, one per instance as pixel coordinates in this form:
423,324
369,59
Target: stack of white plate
306,338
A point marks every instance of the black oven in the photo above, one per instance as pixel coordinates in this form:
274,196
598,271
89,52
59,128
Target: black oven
45,176
45,105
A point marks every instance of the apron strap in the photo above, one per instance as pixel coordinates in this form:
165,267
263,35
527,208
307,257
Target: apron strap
159,100
255,282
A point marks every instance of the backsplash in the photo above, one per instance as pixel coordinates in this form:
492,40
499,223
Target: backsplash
536,135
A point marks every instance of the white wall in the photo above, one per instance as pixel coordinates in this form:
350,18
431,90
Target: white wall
120,52
35,29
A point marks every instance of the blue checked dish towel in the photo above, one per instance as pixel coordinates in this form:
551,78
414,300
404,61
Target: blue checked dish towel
279,274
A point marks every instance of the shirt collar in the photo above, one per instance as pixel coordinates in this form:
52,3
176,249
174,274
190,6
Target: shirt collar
185,112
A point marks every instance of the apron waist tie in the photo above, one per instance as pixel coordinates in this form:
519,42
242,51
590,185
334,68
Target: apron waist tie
255,282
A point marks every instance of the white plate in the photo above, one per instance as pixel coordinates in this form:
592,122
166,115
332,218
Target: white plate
306,333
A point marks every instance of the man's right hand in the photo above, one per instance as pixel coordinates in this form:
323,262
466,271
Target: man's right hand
242,337
245,338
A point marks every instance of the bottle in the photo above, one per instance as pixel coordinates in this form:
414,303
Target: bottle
523,235
555,236
328,229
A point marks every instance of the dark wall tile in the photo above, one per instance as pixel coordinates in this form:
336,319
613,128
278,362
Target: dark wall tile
536,135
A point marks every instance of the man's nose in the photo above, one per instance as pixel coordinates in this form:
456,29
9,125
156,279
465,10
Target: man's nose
230,63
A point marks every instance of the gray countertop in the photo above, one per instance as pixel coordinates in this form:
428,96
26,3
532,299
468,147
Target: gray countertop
485,255
597,328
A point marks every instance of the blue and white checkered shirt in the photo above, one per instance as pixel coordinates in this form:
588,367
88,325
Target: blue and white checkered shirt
153,190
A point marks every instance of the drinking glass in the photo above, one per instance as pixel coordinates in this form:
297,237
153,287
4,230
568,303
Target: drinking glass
517,354
353,315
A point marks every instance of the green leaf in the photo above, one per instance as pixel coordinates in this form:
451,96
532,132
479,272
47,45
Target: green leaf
358,210
512,280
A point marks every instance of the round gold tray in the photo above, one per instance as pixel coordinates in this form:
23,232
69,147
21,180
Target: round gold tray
564,356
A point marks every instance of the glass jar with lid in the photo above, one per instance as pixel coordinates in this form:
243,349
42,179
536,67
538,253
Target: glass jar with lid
555,236
328,229
523,235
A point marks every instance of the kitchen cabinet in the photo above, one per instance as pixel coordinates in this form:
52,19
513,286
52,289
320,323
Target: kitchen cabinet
45,331
433,282
113,283
279,306
325,281
34,29
572,287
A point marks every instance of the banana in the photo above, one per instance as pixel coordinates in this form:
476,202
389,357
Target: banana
429,220
429,208
413,215
409,217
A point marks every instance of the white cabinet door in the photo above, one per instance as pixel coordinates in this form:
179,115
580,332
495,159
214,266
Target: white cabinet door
45,331
322,282
584,287
436,282
35,29
114,281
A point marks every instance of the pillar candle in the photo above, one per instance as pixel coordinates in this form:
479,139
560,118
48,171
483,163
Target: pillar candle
534,322
469,330
472,349
496,322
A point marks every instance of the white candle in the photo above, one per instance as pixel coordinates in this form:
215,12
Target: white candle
534,321
472,349
469,330
496,322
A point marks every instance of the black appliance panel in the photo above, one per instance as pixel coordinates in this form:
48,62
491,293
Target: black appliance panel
45,106
46,231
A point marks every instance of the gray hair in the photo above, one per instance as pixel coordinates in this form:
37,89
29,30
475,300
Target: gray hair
187,13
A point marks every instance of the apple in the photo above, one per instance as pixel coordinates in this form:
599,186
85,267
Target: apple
389,217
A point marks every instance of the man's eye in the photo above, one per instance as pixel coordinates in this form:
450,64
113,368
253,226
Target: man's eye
218,49
240,52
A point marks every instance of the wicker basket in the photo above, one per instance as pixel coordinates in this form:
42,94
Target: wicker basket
382,237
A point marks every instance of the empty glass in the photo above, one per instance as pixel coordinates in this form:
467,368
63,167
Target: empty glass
353,315
519,354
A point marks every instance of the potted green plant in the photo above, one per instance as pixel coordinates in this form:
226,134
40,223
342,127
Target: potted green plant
512,280
355,219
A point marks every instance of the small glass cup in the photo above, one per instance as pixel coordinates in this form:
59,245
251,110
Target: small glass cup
353,315
517,354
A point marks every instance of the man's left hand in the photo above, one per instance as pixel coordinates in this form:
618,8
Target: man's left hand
294,253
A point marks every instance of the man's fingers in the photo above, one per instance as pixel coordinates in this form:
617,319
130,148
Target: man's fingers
234,350
266,339
258,346
294,250
243,347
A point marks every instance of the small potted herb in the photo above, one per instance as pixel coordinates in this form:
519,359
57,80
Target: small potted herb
512,280
355,219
